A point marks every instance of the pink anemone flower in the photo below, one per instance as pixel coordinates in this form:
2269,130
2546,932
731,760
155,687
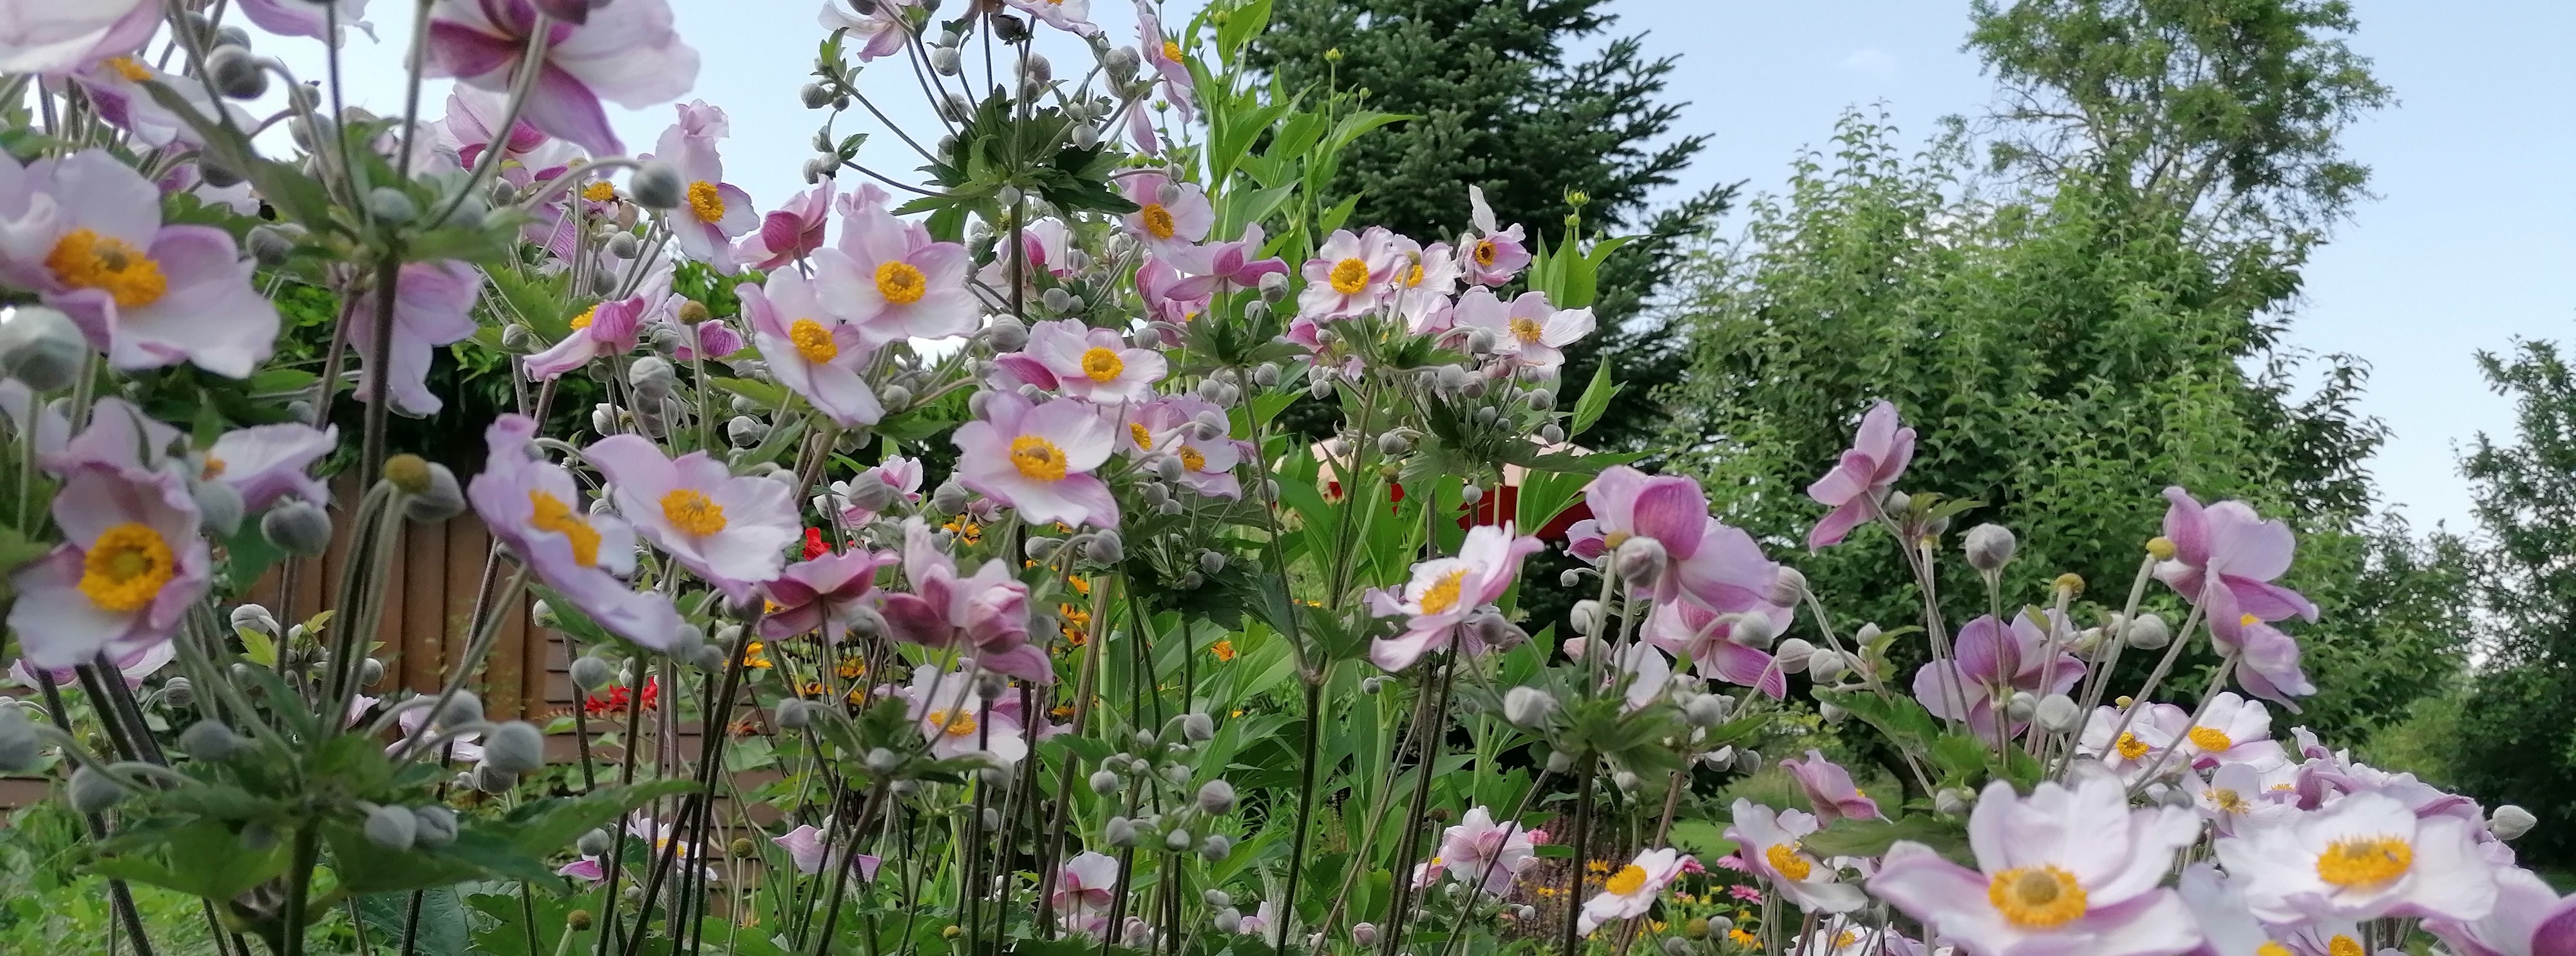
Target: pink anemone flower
267,462
1858,482
823,593
1038,458
1482,853
57,38
1631,891
1167,224
1529,330
1095,365
810,349
1829,787
805,848
1707,639
1989,663
2364,856
1221,264
433,307
85,233
609,328
988,611
2529,919
130,564
134,665
2267,660
791,232
1071,16
2228,555
1713,563
896,282
1349,276
625,52
1767,843
1445,594
731,530
955,718
298,18
1494,255
2063,870
532,506
715,211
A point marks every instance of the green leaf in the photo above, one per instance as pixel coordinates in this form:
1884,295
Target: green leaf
443,926
1595,400
205,859
1241,25
1863,838
16,551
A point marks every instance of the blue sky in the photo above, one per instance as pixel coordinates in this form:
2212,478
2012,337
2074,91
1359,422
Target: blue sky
2468,248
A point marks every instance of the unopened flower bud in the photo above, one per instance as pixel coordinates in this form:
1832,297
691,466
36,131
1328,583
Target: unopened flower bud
1708,710
1571,578
1826,664
1676,946
91,791
1989,547
1794,654
256,618
298,528
236,73
1178,840
2149,632
439,498
949,497
1198,727
882,760
1586,616
1364,934
2058,713
392,205
179,692
1559,761
591,673
392,828
2023,705
219,505
209,740
745,431
1753,630
1106,781
1274,287
1216,846
1104,547
435,826
1641,560
515,747
1216,796
1007,334
657,186
1528,706
1952,800
464,708
1119,832
2510,822
1372,686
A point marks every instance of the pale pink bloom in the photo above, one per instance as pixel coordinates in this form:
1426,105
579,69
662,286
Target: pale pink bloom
879,33
1166,294
825,592
130,565
115,88
1046,246
1425,276
527,154
2239,796
1169,229
1989,663
804,846
894,281
433,307
587,869
1071,16
1095,365
1493,256
54,38
1644,670
1217,265
2529,919
2228,555
1442,600
1479,852
2267,660
2227,928
2361,857
1717,565
1829,787
2061,871
1631,891
1858,482
1351,275
988,611
2232,730
609,328
2138,747
1529,330
85,233
1164,56
1084,884
1707,639
660,835
730,530
119,436
810,349
896,472
625,52
466,748
1767,844
268,462
1038,458
712,339
1263,921
951,714
134,665
1207,466
714,211
792,231
302,18
534,507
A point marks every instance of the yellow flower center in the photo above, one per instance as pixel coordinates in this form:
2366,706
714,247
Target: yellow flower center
1846,939
1103,365
1526,329
582,321
2270,948
690,510
1038,458
2227,800
552,514
132,69
1629,879
126,567
1413,276
1349,276
705,202
2342,945
600,190
2040,897
1483,252
1144,439
954,724
2210,739
2362,861
1171,51
86,260
813,341
1192,460
2248,621
1443,594
1785,858
1158,221
2130,747
214,469
901,283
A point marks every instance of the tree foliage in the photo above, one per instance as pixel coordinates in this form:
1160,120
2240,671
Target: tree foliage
1497,101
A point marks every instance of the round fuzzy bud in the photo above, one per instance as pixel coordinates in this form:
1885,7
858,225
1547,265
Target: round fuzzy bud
1104,547
1707,710
393,828
1212,561
1586,616
41,347
594,842
1571,578
436,826
656,185
464,708
210,740
1752,630
1641,559
1274,287
1216,846
882,760
2023,705
591,673
219,505
814,96
297,528
1953,800
1267,375
1198,727
179,692
2149,632
1119,831
1372,686
1178,840
2510,822
270,245
1794,654
1228,921
949,497
391,204
20,748
236,73
1559,762
1364,934
2058,713
516,747
793,714
439,499
1528,706
1106,782
1007,334
91,791
1826,664
493,780
1676,946
746,432
1471,494
1989,547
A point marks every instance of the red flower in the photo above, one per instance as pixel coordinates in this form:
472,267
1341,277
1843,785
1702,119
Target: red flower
814,546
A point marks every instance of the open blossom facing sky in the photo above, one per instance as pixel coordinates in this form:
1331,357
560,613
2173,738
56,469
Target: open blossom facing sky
625,52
